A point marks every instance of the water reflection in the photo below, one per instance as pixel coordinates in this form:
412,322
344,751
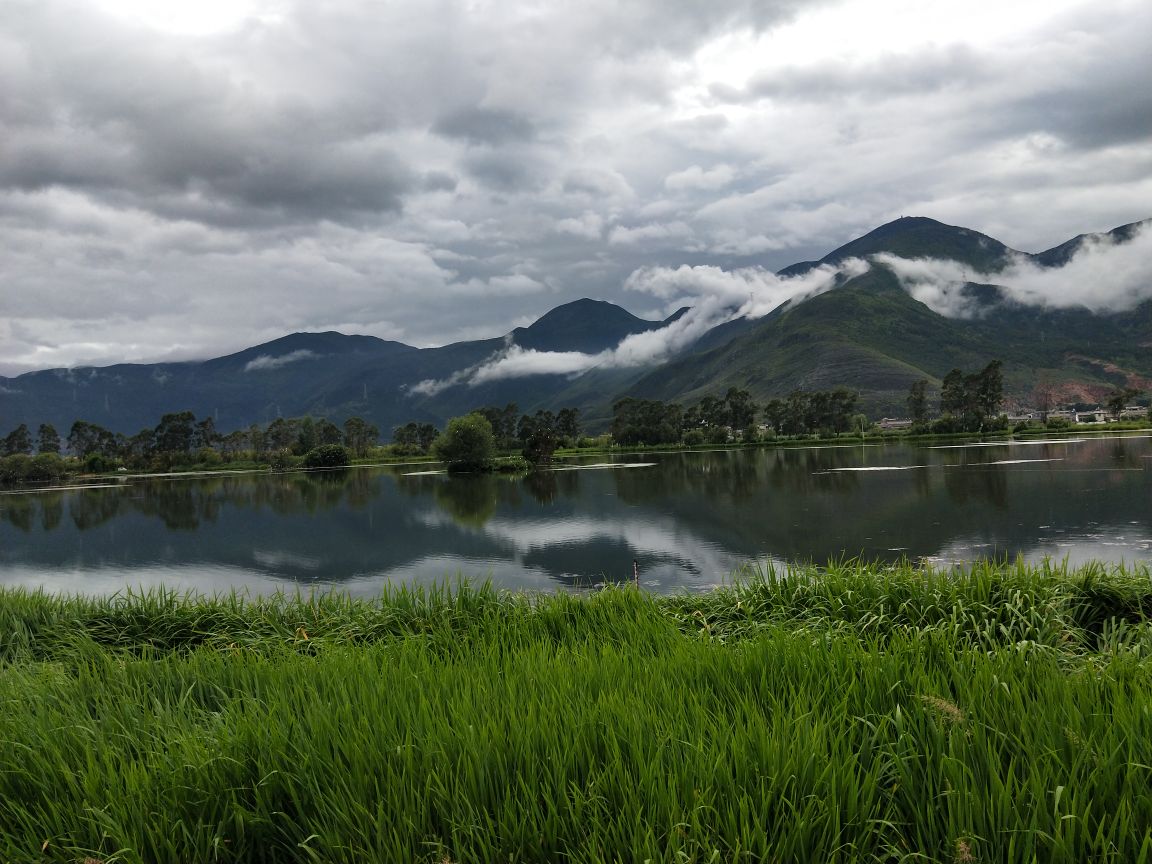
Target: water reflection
982,484
688,520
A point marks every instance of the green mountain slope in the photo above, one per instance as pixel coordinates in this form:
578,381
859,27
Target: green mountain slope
870,335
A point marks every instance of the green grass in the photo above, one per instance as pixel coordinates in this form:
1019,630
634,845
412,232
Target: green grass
845,713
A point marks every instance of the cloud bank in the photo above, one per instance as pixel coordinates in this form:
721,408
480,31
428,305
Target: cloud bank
1102,276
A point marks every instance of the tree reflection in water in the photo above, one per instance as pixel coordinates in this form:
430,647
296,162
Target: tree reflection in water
470,500
980,482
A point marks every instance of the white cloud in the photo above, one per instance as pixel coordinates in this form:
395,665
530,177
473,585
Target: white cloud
695,177
658,231
1101,276
588,224
266,362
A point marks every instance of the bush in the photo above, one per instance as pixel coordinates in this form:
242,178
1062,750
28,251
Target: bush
717,435
98,463
514,465
1058,423
281,461
208,456
693,438
466,444
22,468
327,456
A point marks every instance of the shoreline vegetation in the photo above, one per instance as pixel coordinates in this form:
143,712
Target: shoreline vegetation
841,713
63,469
501,439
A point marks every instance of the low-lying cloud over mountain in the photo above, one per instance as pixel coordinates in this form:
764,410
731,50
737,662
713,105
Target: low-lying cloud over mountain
715,296
265,361
1102,275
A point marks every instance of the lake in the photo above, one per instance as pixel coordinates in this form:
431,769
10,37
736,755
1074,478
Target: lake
688,520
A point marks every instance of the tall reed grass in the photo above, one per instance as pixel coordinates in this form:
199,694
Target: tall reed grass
847,713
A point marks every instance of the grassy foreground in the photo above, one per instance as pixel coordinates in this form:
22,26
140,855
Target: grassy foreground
848,713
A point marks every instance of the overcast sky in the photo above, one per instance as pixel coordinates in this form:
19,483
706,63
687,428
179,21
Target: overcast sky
185,179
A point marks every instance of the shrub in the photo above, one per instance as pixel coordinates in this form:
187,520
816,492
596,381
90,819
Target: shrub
280,461
514,465
22,468
98,463
327,456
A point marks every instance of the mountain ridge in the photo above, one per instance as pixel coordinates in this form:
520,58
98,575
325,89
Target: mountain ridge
867,333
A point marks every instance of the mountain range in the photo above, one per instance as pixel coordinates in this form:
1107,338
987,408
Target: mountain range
868,333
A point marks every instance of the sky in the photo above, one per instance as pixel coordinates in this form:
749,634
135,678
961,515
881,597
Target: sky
183,180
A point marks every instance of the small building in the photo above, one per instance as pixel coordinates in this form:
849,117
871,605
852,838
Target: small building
891,424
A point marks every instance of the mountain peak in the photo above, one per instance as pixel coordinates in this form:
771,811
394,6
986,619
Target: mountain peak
585,325
921,237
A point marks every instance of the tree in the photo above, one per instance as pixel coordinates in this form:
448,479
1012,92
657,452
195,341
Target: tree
538,435
307,436
86,438
1119,398
953,396
279,435
568,425
775,414
48,439
1043,395
327,432
174,432
467,444
918,401
19,441
841,407
232,444
741,409
970,399
415,436
257,441
645,421
204,434
713,412
503,421
359,435
139,448
989,389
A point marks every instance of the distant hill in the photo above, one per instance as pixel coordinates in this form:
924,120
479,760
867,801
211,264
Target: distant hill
326,375
868,334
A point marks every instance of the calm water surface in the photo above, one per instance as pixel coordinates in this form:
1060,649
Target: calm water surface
688,519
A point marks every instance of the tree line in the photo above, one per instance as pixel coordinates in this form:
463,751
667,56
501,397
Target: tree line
969,401
180,438
733,416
